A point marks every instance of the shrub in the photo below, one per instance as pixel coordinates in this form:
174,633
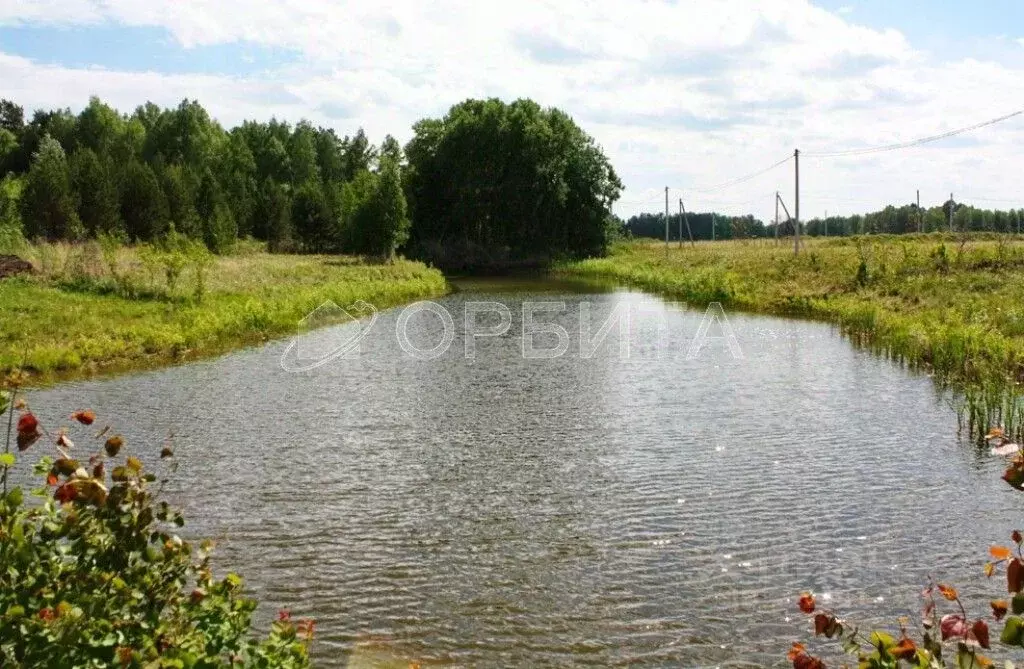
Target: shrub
95,576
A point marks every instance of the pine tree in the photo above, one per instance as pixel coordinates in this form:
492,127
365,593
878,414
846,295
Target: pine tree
48,203
390,211
178,185
143,205
96,191
273,213
312,218
218,224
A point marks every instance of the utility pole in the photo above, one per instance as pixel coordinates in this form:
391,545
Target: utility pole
666,220
952,206
689,232
796,207
681,223
776,217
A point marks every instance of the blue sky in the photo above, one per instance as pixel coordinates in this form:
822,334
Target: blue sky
685,94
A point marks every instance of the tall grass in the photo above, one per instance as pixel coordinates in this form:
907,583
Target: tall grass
950,305
85,310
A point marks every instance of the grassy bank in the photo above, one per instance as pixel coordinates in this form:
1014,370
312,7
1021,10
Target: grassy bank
950,304
84,311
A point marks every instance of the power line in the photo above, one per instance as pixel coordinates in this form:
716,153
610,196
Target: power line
737,181
912,143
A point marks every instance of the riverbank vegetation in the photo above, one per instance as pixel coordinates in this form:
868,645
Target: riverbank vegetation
94,573
949,304
93,306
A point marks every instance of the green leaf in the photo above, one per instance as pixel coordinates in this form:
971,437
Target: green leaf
1017,603
15,497
882,640
965,659
7,459
1013,632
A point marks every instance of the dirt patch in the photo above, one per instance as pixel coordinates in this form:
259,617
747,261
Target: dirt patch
13,266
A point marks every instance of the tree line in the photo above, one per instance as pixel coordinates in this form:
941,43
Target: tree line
891,220
490,181
137,176
910,218
702,226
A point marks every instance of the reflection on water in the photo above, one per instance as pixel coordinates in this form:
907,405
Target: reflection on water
500,511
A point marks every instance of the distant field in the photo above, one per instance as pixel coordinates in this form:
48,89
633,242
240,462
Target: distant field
949,303
73,317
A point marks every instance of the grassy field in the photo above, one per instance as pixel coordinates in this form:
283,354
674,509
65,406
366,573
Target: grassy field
950,304
83,312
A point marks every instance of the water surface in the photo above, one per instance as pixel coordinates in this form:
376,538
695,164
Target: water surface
502,511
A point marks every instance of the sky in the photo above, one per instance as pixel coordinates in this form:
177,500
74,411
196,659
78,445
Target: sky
689,94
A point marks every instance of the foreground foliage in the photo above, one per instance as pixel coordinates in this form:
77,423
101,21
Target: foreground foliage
950,304
94,575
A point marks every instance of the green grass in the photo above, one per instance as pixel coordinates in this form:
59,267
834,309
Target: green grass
949,304
71,319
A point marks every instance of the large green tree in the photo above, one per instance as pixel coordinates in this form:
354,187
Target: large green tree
143,205
497,182
96,193
48,203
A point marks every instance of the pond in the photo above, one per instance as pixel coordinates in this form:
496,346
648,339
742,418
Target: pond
632,501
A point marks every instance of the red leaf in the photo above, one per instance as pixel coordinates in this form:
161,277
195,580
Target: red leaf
999,608
905,649
821,622
805,661
948,591
27,424
86,417
26,439
1014,576
1000,552
807,602
66,493
953,626
1017,537
980,632
51,479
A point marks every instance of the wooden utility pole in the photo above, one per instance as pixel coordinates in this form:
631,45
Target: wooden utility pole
776,217
666,220
796,207
681,223
689,232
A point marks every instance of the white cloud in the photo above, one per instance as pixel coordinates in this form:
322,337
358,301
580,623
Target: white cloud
679,94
